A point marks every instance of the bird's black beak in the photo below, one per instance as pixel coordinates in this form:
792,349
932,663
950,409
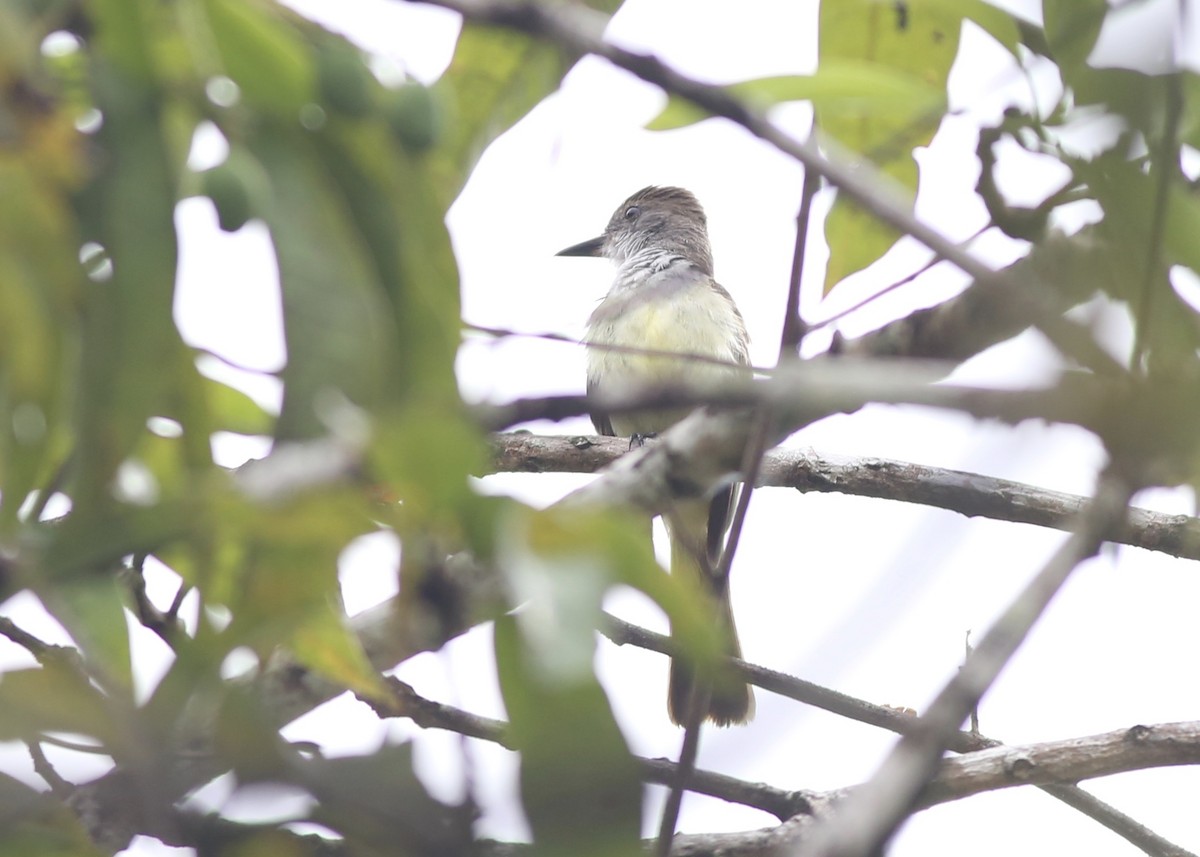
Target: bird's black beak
591,247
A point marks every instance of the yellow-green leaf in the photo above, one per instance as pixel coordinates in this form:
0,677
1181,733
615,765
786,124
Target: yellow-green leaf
916,40
264,54
849,86
326,646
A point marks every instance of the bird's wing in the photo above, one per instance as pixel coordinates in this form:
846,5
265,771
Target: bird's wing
600,420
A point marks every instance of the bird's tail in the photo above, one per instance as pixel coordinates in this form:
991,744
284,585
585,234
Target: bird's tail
730,699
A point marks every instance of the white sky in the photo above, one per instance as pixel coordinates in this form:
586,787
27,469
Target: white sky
868,597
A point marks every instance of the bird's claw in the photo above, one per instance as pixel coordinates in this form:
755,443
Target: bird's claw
638,439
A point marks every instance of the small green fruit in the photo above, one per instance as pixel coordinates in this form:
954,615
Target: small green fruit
415,116
344,81
237,187
228,192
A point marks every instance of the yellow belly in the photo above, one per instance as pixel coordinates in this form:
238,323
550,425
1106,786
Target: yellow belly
690,322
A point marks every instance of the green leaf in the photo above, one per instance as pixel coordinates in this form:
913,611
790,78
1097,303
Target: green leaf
579,784
496,77
128,329
38,282
400,220
265,54
232,410
92,610
997,23
1072,27
32,823
247,737
53,698
380,806
326,646
125,34
914,40
284,590
341,338
1130,197
839,86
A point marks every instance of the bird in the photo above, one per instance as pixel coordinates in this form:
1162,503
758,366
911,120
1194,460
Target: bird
664,298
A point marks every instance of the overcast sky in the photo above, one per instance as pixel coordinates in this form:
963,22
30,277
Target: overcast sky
868,597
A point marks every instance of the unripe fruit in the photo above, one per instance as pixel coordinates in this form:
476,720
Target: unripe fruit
415,116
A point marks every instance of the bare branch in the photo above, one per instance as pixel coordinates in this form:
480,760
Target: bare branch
1065,761
969,494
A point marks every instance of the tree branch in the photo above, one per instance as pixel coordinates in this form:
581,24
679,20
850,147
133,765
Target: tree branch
968,494
985,766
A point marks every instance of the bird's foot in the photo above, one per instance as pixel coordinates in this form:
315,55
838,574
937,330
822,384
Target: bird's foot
638,439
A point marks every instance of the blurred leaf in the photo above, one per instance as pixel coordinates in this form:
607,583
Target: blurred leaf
17,800
917,40
247,738
286,592
1189,127
54,698
129,331
37,284
1140,99
496,77
32,823
423,450
1072,27
41,164
264,53
562,561
325,645
267,843
1129,196
233,411
576,772
340,336
849,86
424,456
125,34
389,201
1002,26
580,787
380,806
92,609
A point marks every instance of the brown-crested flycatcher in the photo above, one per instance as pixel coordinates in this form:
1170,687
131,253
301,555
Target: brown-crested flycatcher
664,298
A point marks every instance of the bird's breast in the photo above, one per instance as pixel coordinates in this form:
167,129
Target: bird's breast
683,316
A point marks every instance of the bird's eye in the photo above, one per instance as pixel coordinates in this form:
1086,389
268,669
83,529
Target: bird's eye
632,212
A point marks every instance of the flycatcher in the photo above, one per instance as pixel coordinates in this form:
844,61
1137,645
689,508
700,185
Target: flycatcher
664,298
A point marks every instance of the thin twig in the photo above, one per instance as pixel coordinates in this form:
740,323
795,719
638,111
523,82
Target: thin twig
685,768
794,326
636,350
889,288
42,651
61,788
